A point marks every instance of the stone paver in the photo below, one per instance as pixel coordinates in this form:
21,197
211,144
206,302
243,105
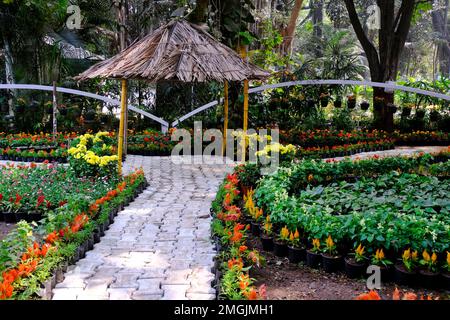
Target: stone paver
159,247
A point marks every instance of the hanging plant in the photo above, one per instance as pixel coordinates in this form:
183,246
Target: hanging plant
338,103
351,102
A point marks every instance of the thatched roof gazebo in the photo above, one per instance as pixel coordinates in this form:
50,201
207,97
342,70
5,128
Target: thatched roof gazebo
177,51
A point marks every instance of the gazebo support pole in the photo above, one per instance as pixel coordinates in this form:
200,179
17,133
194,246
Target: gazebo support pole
225,117
123,108
245,128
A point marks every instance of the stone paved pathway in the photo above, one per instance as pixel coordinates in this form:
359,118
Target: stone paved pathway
159,247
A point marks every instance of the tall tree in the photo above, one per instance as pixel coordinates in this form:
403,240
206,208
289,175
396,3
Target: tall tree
289,32
440,26
384,60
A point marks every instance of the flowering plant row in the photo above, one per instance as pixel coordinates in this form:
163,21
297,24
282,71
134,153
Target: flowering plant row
31,255
236,259
30,192
327,137
94,155
344,150
34,140
150,143
58,154
394,208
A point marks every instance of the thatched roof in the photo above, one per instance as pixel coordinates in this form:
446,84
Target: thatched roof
177,51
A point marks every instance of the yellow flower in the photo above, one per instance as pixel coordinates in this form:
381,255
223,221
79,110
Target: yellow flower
330,242
360,250
414,255
379,255
448,258
426,256
433,258
316,243
406,254
284,233
291,237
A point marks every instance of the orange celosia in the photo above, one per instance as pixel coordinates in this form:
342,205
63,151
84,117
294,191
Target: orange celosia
371,295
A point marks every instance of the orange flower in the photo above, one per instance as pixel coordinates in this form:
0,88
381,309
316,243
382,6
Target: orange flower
410,296
242,249
371,295
396,294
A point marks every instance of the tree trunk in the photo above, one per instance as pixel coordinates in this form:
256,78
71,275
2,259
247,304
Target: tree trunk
9,70
289,32
383,63
317,18
439,20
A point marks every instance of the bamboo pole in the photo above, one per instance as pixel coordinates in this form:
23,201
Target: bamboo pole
245,128
123,108
225,118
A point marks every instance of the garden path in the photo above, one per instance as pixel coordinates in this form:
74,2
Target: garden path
159,247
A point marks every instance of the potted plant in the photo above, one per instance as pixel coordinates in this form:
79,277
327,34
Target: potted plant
380,260
313,255
296,251
378,103
257,215
446,272
266,237
405,272
355,263
324,99
90,115
429,274
338,102
280,248
351,102
331,259
365,105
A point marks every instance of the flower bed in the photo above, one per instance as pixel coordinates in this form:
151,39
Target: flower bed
329,138
150,143
34,257
379,211
29,193
344,150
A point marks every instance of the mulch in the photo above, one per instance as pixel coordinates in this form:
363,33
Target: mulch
286,281
5,228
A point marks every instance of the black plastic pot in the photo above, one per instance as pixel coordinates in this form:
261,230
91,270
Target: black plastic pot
354,269
332,263
255,228
1,217
403,276
324,102
267,242
429,279
296,255
34,216
365,106
280,249
338,103
313,260
20,216
445,280
420,114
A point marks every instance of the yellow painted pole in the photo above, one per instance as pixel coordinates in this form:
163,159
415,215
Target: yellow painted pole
123,108
245,128
225,117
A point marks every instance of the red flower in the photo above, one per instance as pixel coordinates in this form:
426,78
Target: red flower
40,200
18,198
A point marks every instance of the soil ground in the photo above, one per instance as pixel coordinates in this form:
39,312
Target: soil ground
5,228
286,281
